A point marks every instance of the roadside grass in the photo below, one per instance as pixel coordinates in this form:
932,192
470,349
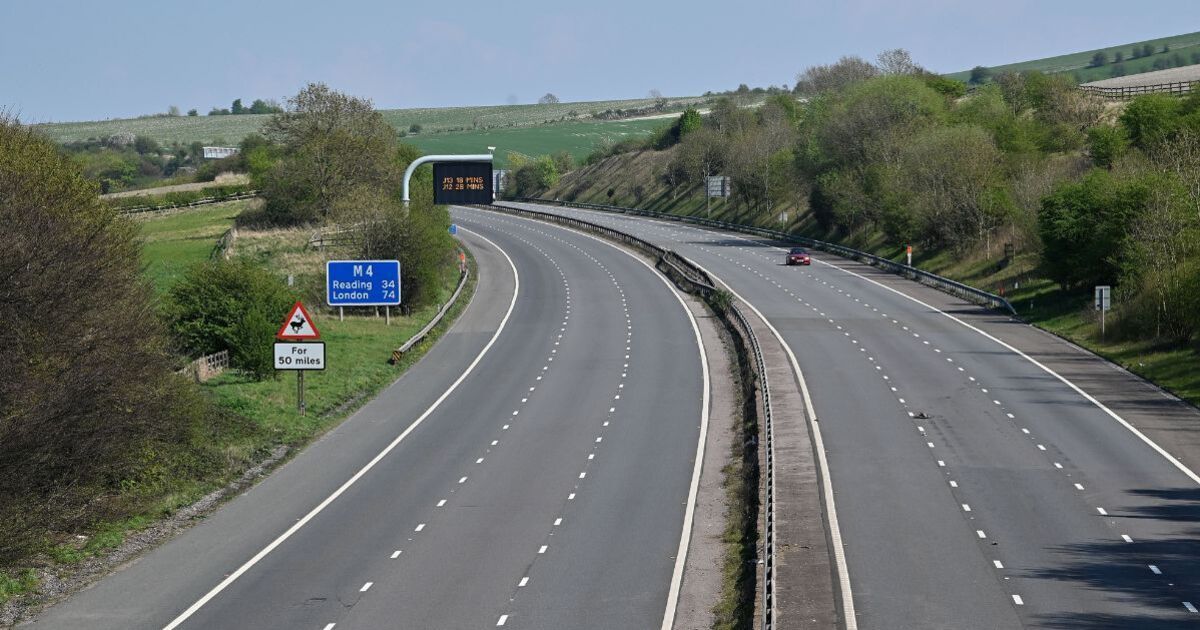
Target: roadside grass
16,583
174,240
357,349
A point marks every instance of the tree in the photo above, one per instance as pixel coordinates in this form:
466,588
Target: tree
193,112
655,94
331,143
689,121
897,61
1118,56
1098,59
1137,53
1147,50
846,72
91,404
237,107
1107,144
979,75
548,99
173,110
259,106
1151,119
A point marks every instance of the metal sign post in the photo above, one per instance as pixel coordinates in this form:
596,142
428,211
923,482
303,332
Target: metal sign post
426,159
363,283
715,186
298,349
908,251
1103,303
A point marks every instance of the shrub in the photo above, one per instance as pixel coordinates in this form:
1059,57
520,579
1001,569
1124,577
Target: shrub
229,305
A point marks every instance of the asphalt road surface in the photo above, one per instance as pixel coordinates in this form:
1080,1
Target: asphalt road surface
532,471
975,489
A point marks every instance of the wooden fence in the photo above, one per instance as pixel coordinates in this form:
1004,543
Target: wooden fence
206,366
1181,88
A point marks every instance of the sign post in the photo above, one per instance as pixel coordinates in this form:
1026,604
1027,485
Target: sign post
481,167
716,186
908,251
299,357
1103,303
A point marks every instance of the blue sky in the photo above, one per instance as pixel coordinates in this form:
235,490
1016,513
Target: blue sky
87,60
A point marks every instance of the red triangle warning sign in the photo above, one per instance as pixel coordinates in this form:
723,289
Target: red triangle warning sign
298,325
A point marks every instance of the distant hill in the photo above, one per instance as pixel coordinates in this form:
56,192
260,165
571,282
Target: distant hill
1182,50
229,130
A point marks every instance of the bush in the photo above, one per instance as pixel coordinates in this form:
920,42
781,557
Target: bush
93,403
1107,144
1151,119
229,305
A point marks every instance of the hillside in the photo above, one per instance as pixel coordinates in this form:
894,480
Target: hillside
1077,63
227,130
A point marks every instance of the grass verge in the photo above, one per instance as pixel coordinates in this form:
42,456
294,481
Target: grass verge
358,350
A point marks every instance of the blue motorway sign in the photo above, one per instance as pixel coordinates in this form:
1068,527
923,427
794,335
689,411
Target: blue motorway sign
362,282
453,228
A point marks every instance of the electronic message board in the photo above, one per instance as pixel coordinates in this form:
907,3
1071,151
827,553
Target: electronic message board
462,182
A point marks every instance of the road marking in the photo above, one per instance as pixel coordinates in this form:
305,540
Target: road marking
583,474
441,503
998,564
523,582
979,532
941,464
966,508
1126,538
462,480
953,484
495,442
1058,465
1018,601
479,461
419,527
557,522
542,549
365,587
232,577
502,621
1155,570
1092,399
1024,430
395,554
330,626
571,497
1189,607
1041,447
1079,486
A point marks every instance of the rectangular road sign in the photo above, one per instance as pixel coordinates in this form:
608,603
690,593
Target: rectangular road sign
362,282
299,356
462,182
717,185
1103,297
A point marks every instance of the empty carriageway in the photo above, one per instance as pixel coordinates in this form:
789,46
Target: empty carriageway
976,486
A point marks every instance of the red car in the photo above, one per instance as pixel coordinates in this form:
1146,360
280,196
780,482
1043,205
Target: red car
798,257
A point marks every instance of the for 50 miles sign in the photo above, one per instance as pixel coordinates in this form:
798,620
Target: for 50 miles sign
362,282
299,356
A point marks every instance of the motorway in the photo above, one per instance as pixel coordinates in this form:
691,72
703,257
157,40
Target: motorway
534,470
974,488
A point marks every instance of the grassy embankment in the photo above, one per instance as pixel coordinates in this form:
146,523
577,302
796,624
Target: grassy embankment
1077,63
357,353
1037,299
528,129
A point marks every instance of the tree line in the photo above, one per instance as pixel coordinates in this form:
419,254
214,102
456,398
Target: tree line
886,151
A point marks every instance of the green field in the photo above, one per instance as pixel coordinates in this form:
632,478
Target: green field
227,130
577,138
1076,63
173,241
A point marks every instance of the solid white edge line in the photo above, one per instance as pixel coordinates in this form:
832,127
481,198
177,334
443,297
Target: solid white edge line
689,512
835,532
1132,429
191,610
